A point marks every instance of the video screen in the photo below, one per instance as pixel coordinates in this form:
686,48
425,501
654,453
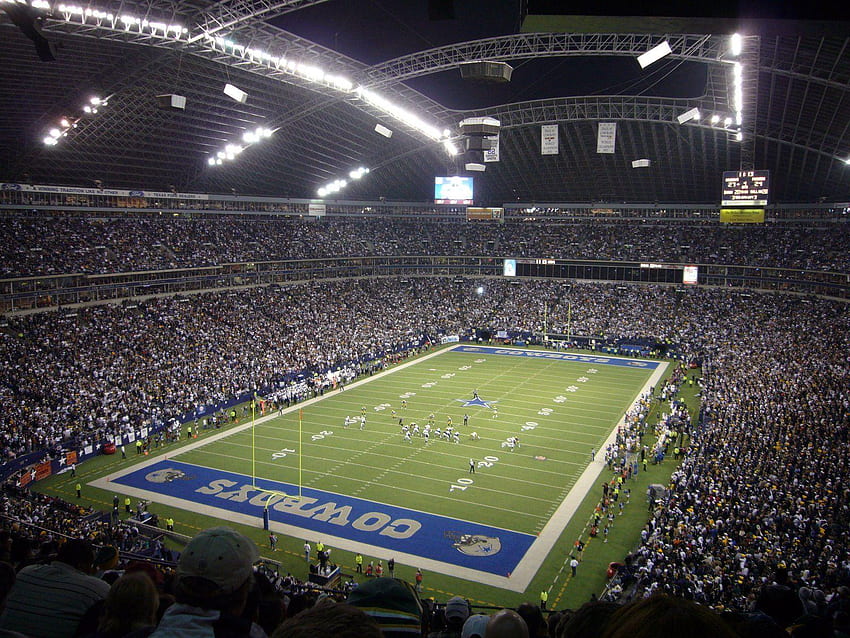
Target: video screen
453,190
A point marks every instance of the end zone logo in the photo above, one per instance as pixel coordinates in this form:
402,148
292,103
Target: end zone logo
475,544
167,475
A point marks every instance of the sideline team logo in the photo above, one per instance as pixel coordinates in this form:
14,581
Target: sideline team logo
475,544
167,475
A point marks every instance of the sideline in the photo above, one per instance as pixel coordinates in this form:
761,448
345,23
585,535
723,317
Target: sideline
518,581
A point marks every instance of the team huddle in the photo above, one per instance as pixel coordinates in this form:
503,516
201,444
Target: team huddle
430,430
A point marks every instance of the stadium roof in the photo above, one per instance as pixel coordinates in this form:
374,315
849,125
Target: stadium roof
573,71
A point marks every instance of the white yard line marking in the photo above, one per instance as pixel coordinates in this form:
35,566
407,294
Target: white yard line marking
518,581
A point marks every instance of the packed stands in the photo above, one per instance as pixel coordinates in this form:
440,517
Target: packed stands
738,532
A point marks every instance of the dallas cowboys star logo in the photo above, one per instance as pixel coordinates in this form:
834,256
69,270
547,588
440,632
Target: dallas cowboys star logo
476,401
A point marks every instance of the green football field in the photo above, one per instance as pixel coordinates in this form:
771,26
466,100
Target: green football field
495,535
559,410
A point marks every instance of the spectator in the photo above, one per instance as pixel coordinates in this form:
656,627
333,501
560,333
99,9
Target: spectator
506,624
663,616
130,609
588,621
392,603
214,576
475,626
329,621
7,579
48,601
533,617
456,612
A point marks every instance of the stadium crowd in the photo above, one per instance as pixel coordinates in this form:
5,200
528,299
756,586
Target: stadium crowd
44,245
758,516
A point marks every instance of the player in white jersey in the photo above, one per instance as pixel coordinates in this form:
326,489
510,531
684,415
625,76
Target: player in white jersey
407,437
456,437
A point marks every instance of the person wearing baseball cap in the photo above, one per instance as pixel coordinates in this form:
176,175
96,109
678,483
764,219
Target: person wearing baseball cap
456,613
214,575
475,626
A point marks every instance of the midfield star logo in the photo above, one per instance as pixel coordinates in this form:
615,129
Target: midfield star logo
476,401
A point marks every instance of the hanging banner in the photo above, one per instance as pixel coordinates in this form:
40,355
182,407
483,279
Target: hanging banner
607,137
549,139
492,155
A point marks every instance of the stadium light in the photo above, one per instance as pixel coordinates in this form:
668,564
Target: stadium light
654,54
736,44
715,118
235,93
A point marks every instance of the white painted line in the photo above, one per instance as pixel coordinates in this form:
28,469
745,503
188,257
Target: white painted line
518,580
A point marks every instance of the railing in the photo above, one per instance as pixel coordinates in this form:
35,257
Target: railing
50,292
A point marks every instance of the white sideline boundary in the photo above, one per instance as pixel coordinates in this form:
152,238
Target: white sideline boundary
518,581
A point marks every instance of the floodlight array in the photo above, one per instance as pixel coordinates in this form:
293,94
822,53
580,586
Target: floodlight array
67,125
232,149
123,22
130,23
338,184
281,63
314,74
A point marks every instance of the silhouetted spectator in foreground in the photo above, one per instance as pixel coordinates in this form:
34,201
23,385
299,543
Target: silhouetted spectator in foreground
214,575
663,616
48,601
329,620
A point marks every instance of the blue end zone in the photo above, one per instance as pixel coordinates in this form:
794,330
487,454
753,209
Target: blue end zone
481,547
559,356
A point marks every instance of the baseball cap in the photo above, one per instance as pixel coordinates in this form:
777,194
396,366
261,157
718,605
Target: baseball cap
457,608
220,555
475,626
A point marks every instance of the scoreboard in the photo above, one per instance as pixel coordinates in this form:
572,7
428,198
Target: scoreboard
745,188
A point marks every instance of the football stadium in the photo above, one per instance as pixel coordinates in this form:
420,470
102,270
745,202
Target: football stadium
427,318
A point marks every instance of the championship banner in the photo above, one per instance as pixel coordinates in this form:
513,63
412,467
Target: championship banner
492,154
549,139
113,192
606,138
